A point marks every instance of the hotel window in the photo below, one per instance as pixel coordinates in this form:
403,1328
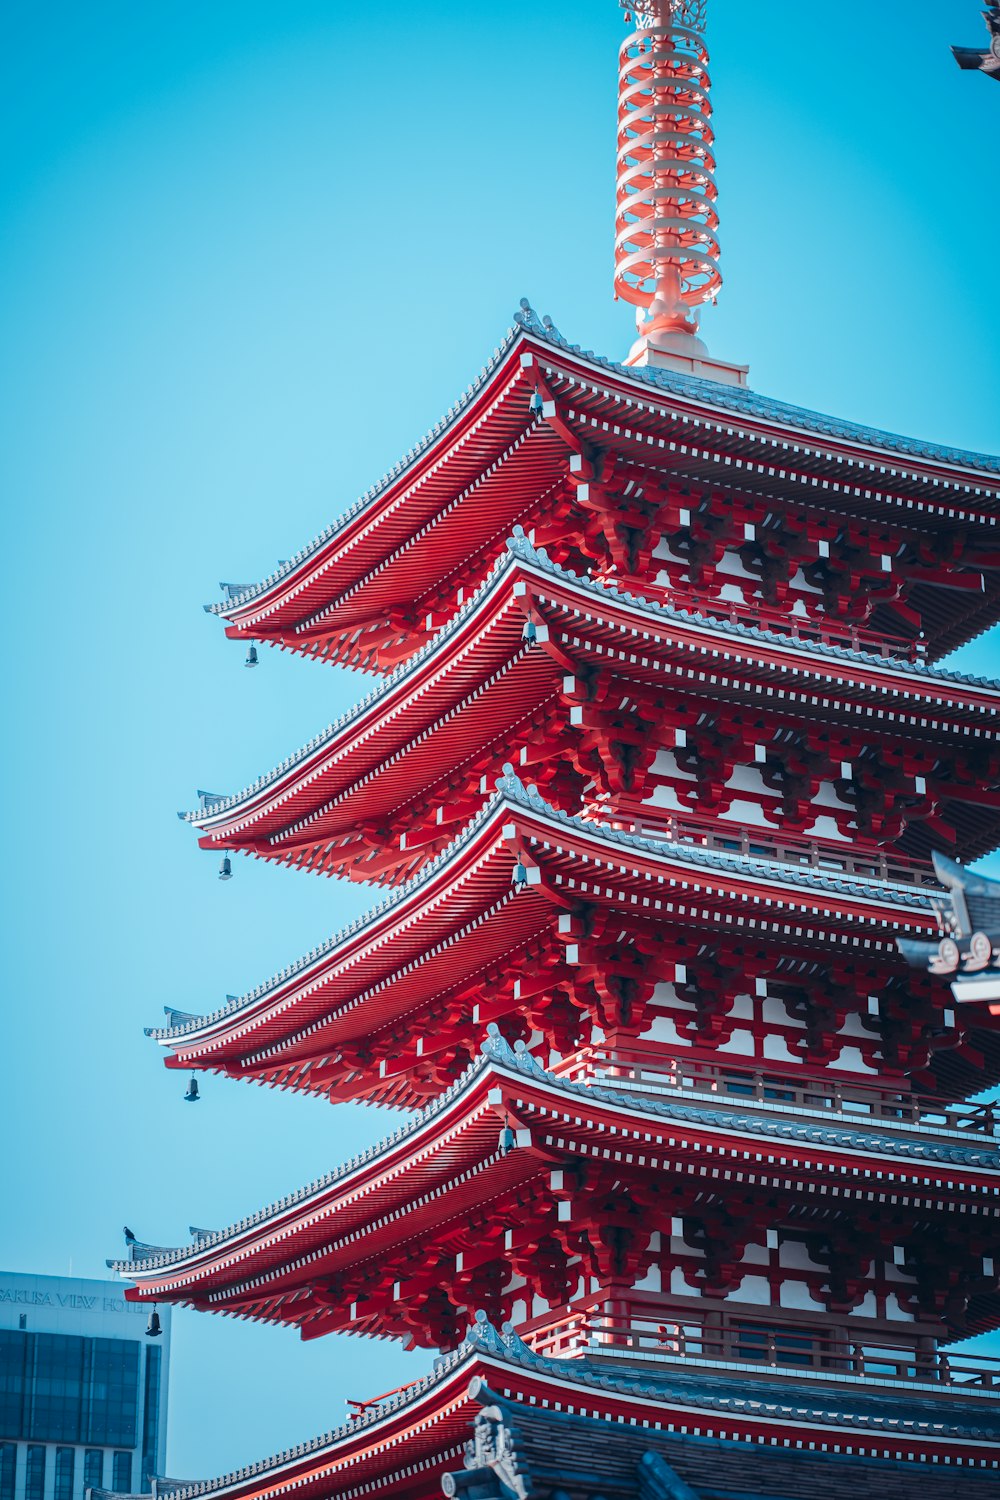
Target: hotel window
64,1474
34,1473
93,1469
151,1413
114,1406
122,1471
8,1470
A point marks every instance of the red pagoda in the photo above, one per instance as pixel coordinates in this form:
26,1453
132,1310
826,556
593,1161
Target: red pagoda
689,1195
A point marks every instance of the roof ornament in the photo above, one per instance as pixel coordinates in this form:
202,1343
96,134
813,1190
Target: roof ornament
192,1096
226,868
666,220
153,1328
251,658
987,62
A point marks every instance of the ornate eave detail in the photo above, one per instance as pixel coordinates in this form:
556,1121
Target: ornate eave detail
511,792
499,1058
969,950
215,808
738,401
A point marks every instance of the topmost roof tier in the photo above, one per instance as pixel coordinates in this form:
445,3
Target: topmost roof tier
375,585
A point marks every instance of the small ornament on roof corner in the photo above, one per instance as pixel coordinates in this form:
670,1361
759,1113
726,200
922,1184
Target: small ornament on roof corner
976,60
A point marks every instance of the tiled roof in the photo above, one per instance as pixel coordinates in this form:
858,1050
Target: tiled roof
495,1050
510,789
443,1367
387,685
520,545
910,1411
549,1453
751,404
732,398
712,1467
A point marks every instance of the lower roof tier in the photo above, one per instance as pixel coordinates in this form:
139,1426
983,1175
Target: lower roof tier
517,1178
597,692
551,435
496,1421
567,932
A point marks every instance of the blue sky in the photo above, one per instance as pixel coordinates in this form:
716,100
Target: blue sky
248,254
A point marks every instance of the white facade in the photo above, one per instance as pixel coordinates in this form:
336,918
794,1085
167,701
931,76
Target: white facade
83,1390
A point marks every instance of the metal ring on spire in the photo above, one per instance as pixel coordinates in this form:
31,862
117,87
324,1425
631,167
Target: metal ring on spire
666,226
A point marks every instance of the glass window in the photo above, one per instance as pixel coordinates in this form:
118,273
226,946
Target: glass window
93,1469
64,1474
14,1348
150,1413
59,1388
8,1470
34,1474
114,1396
122,1481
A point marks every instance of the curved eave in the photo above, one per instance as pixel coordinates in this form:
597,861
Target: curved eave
306,798
411,939
454,456
851,672
775,419
429,1418
483,640
410,1155
407,916
747,439
439,1171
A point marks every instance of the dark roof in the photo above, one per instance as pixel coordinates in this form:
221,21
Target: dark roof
549,1455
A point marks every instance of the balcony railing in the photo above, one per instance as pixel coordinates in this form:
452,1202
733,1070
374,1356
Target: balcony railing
785,1350
805,628
757,843
637,1068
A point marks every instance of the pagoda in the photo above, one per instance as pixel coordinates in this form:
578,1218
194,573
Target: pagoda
688,1192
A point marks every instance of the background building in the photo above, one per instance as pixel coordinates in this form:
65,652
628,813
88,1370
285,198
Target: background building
83,1391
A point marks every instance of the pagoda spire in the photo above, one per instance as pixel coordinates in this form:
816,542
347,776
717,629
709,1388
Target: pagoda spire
666,219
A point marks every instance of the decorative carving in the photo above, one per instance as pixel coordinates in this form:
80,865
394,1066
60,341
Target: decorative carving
987,61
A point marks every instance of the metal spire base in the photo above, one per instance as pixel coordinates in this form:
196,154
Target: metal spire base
685,354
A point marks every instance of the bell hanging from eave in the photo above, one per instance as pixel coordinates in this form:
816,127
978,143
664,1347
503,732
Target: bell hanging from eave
508,1139
520,875
537,404
530,632
153,1328
226,868
251,660
192,1096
